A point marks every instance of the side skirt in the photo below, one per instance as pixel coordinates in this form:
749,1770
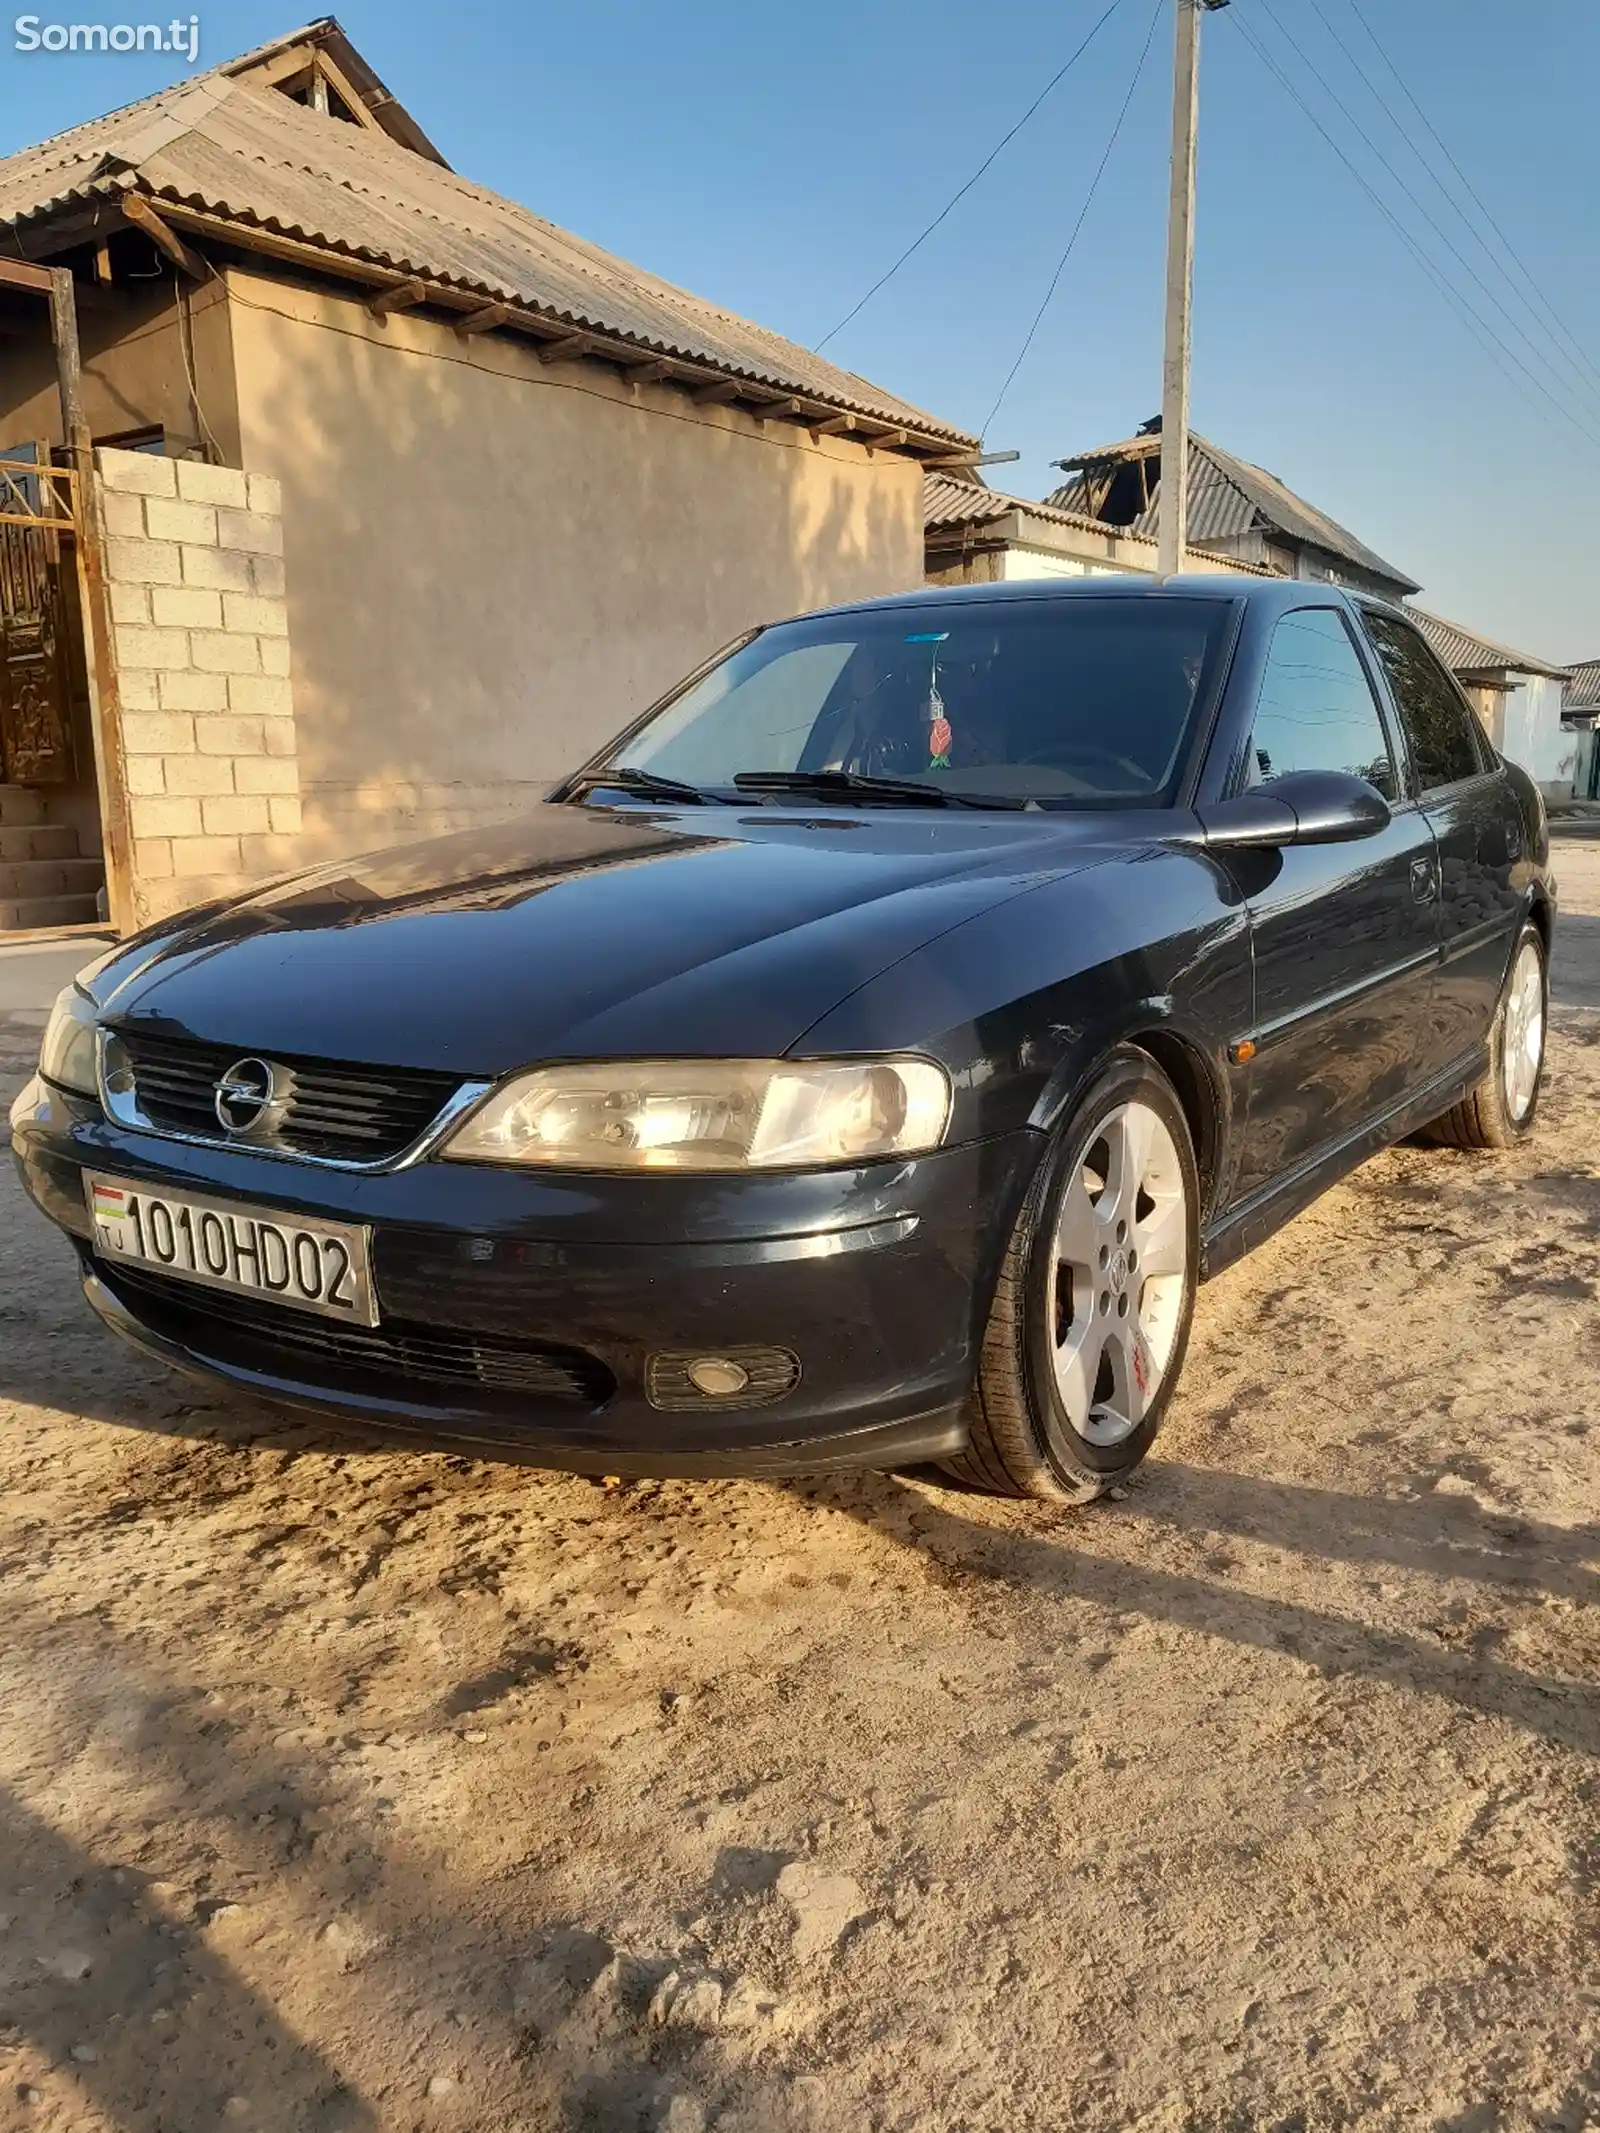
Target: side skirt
1243,1227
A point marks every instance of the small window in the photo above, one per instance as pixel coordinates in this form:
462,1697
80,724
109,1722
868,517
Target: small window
153,440
1440,728
1317,710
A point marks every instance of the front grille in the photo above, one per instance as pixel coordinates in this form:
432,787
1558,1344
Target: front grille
352,1114
229,1327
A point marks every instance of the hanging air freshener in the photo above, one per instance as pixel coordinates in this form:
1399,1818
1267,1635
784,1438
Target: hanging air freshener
941,733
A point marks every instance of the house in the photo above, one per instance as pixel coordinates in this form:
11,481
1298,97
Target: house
1236,511
1580,712
1240,518
1518,697
978,535
1581,698
423,494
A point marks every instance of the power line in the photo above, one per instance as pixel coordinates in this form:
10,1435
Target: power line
1439,231
1450,199
1474,321
1505,243
1083,213
1477,325
955,200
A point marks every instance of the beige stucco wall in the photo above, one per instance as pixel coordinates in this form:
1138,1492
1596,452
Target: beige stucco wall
134,376
494,563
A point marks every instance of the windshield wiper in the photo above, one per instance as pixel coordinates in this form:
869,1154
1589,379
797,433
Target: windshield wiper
643,782
848,784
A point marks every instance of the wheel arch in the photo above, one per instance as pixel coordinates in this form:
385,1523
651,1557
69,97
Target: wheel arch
1185,1066
1540,912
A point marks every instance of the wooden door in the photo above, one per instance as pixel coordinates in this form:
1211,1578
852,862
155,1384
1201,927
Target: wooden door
35,701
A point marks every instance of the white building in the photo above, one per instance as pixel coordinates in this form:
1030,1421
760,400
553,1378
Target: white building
1518,697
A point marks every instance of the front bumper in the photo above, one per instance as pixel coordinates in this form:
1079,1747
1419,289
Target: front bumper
877,1279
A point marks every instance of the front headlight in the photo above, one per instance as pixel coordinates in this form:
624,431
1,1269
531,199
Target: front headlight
713,1114
67,1055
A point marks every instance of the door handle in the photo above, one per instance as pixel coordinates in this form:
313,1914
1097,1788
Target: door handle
1422,880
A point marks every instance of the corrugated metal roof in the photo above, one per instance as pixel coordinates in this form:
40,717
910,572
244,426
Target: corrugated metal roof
255,157
1229,497
950,501
1465,652
947,500
1582,692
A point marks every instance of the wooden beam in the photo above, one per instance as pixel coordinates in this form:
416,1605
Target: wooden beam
777,410
69,369
888,441
402,297
294,251
567,349
102,263
143,216
23,274
333,74
714,395
834,426
284,66
89,550
481,321
649,373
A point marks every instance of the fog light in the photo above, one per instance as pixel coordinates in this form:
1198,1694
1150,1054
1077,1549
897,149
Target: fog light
717,1376
736,1377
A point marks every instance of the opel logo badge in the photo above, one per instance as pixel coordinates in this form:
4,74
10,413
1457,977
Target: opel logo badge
244,1094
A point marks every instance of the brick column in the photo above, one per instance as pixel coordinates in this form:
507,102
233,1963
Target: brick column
194,571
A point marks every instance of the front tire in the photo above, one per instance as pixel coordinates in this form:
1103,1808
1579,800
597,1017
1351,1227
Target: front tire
1091,1314
1501,1109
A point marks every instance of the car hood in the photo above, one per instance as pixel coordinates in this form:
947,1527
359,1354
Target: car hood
583,932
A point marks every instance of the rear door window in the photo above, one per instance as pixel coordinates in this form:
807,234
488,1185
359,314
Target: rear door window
1444,737
1317,710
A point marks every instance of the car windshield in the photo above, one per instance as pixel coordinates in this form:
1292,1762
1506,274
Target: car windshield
1071,702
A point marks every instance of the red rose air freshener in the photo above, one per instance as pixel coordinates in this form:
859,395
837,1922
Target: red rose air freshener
941,734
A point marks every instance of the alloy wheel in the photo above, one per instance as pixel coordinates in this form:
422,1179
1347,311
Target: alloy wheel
1522,1043
1120,1267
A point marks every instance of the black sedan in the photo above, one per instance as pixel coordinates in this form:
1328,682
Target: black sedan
860,1061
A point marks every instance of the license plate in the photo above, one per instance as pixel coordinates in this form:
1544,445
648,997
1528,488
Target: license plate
225,1244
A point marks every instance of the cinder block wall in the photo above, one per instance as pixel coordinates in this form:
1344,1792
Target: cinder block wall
194,571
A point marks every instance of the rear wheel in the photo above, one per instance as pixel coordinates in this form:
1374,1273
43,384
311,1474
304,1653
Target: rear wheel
1500,1110
1091,1313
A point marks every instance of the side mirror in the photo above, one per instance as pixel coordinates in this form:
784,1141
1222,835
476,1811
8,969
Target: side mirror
1301,807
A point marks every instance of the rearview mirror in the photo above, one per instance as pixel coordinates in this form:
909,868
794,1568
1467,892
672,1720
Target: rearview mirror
1301,807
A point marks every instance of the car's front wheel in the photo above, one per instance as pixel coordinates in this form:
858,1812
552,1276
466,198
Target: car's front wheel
1091,1313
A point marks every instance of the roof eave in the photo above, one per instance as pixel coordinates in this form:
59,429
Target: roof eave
928,443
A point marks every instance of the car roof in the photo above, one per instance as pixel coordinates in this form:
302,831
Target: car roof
1200,585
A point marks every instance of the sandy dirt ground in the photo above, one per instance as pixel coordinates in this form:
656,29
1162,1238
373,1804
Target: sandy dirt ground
348,1788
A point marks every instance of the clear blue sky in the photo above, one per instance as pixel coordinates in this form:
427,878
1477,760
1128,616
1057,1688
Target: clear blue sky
777,162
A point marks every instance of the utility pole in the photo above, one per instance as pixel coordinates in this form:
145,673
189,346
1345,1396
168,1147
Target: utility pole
1173,515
